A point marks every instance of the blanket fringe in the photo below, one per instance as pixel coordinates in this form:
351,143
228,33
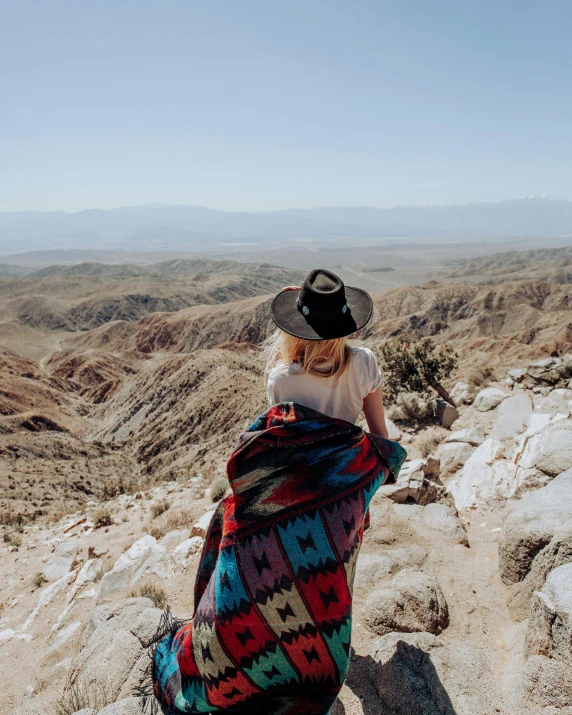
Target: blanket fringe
145,688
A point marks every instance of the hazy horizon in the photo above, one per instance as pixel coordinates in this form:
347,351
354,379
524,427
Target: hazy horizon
257,106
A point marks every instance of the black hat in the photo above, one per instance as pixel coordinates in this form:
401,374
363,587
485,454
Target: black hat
323,309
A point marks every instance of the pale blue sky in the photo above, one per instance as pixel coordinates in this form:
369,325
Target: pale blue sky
244,104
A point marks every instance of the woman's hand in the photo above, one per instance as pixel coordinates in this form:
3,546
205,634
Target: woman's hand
375,413
291,288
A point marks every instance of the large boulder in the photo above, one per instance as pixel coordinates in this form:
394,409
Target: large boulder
550,449
549,641
512,416
444,519
416,674
486,477
61,561
452,457
488,399
445,413
531,525
143,556
414,602
116,641
474,435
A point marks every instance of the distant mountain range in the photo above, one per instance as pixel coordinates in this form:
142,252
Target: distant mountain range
178,227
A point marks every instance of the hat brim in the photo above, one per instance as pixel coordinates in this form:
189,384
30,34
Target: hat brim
288,318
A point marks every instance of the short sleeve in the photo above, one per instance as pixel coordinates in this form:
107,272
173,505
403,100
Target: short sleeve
372,371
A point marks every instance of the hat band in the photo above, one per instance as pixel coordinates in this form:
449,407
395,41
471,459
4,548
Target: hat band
323,314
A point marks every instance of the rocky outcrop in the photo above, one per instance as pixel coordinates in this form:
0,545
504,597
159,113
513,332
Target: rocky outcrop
488,399
414,602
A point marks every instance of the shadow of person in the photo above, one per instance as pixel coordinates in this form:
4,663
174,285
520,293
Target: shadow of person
405,684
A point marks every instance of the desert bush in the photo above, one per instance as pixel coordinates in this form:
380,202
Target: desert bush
479,376
409,407
219,485
102,517
38,580
416,366
10,518
119,485
427,442
12,539
79,695
148,590
172,521
159,507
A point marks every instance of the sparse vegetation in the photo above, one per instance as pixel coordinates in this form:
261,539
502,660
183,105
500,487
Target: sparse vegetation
219,485
159,507
38,580
12,539
416,366
102,517
171,522
80,695
427,442
149,590
409,407
479,376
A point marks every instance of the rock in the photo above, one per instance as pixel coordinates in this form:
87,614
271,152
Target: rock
96,552
517,374
393,431
462,393
174,538
61,561
531,525
144,555
471,435
550,449
370,569
485,478
452,457
86,711
557,553
488,399
414,602
559,401
512,416
415,674
117,638
181,554
200,528
128,706
417,483
441,517
407,557
549,635
445,413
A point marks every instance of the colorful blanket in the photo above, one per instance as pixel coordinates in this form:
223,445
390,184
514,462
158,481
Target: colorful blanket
273,596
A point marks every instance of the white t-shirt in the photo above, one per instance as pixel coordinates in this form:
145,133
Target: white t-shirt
341,397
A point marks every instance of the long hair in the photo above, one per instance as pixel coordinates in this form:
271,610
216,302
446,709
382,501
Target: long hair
322,358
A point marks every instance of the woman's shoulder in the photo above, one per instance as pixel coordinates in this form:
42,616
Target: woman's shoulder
362,353
283,369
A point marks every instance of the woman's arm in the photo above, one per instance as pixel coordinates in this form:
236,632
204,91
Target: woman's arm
374,413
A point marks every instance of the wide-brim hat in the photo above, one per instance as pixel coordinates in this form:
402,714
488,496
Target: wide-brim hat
323,309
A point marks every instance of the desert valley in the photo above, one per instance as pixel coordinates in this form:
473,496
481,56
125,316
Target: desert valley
124,385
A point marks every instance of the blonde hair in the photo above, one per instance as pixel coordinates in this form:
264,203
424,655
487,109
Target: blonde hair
322,358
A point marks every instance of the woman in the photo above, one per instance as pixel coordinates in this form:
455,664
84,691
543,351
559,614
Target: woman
271,630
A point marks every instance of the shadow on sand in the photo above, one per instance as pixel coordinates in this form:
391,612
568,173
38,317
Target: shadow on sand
408,682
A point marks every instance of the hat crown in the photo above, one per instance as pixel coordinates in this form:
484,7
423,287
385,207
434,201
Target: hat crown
323,290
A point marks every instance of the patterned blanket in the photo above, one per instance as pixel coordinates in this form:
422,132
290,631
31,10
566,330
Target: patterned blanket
273,596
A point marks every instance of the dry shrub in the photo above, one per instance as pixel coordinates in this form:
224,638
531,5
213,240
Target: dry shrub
38,580
80,695
12,539
159,507
9,518
102,517
173,521
149,590
427,442
479,376
218,487
119,485
409,407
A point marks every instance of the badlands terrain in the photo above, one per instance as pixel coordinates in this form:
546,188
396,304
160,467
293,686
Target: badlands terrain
123,389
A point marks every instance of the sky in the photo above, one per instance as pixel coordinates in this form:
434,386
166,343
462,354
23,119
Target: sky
260,105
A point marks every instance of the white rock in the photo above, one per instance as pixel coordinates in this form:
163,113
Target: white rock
60,562
517,374
46,595
512,416
144,555
488,399
485,477
557,402
471,435
452,457
550,449
461,393
393,431
65,634
6,635
88,573
174,538
200,528
181,554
